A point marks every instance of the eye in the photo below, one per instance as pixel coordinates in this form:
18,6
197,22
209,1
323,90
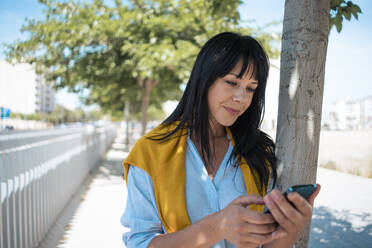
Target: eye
231,83
251,90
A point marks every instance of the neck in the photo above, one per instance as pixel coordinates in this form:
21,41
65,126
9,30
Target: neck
217,130
217,133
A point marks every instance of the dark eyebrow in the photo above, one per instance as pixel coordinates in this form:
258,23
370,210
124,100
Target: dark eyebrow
253,82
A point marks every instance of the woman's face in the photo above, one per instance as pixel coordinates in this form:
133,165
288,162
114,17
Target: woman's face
229,97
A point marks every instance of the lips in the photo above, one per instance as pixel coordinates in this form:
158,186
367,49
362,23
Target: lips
231,110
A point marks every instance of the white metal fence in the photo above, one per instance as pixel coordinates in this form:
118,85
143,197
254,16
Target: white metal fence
38,176
19,138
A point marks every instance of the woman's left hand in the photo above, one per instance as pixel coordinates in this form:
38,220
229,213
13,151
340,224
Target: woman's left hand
291,220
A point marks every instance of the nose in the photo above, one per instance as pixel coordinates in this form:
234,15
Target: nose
239,95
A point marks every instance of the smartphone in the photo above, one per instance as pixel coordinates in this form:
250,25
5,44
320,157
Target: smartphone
305,190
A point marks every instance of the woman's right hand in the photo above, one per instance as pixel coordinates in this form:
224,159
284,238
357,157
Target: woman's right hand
244,227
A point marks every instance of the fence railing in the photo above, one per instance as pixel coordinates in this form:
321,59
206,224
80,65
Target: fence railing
39,178
19,138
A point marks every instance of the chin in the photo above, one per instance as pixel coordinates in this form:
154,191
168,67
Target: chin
227,123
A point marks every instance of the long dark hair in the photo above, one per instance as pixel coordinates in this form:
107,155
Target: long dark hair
216,59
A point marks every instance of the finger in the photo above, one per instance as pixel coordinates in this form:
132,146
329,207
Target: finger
279,233
256,217
261,239
286,208
258,239
248,199
301,204
260,229
277,213
315,194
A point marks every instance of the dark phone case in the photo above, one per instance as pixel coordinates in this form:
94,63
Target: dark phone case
305,190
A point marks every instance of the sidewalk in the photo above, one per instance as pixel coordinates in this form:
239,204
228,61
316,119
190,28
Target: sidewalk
96,222
342,213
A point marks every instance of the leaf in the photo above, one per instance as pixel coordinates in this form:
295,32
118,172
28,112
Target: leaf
338,26
338,21
355,10
336,3
339,9
111,49
331,22
347,13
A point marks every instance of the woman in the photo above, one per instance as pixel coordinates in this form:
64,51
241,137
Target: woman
198,179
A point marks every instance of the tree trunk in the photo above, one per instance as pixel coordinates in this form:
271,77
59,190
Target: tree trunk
126,119
303,56
146,86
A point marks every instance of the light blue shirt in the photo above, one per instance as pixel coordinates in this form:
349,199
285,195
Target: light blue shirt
203,197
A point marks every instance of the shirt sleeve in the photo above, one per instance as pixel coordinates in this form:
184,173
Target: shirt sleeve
140,217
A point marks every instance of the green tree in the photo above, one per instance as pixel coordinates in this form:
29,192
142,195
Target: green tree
340,9
125,52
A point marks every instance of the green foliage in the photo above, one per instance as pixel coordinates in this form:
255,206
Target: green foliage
94,115
341,9
61,114
329,165
111,50
154,114
354,171
35,117
116,116
15,115
368,172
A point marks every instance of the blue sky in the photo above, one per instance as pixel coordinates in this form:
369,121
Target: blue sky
349,62
348,66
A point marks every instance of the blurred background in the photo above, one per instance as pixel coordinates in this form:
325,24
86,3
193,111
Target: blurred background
107,71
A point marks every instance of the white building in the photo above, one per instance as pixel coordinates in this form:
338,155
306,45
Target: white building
22,91
272,98
45,96
349,114
366,118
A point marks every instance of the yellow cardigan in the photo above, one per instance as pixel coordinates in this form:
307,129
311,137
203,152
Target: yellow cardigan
164,161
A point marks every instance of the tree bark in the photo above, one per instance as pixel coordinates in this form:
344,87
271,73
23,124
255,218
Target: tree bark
126,119
303,56
146,86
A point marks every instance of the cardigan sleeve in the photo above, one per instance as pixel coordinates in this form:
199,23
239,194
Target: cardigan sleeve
140,216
